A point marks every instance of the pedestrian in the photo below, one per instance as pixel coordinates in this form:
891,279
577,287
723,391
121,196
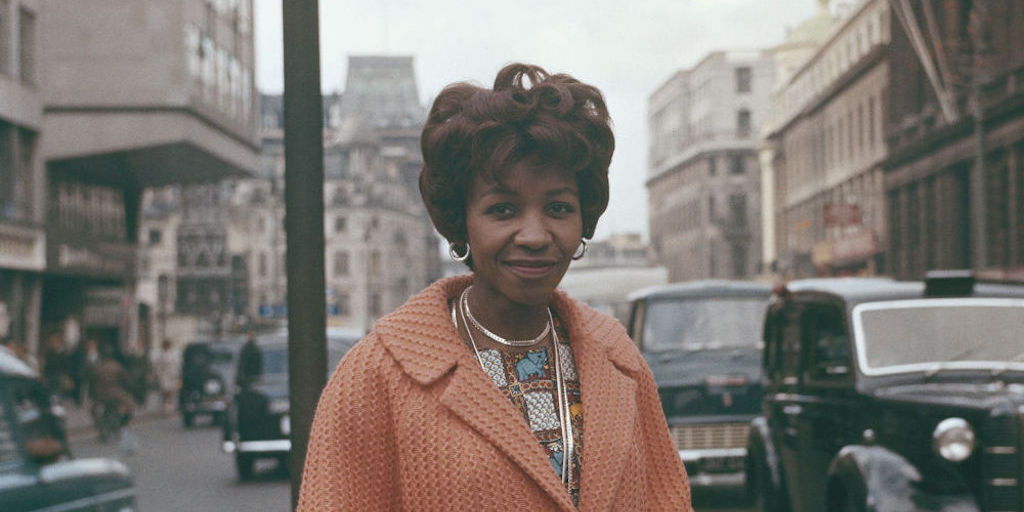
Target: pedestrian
58,367
168,373
112,387
495,391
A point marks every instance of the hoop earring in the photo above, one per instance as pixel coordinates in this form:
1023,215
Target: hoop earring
580,252
455,255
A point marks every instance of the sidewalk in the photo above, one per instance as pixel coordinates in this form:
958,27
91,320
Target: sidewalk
79,422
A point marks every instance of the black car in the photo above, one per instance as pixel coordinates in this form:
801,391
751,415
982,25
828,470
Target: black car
886,395
702,341
207,371
37,471
258,425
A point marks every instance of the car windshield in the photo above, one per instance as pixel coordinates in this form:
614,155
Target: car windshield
694,324
948,333
275,360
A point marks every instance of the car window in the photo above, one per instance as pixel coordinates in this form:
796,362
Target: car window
829,343
702,323
955,333
790,357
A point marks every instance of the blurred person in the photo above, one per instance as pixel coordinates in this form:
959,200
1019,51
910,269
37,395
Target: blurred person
21,351
496,391
168,372
86,358
112,390
58,367
250,361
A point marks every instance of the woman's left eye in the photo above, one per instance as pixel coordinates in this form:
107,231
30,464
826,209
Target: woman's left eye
561,208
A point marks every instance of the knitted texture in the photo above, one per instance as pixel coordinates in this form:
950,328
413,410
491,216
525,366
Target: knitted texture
409,421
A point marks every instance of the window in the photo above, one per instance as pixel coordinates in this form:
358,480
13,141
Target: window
711,207
375,304
828,342
340,263
743,79
871,122
340,224
27,45
375,263
344,306
737,164
154,236
263,264
743,124
738,209
711,166
5,39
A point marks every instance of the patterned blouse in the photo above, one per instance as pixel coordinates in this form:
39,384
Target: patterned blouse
528,380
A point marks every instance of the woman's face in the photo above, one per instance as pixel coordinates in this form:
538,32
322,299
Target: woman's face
523,232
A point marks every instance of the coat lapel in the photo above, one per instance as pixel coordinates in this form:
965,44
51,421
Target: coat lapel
472,397
422,339
608,390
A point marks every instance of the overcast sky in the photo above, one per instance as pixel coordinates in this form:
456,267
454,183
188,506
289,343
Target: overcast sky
627,48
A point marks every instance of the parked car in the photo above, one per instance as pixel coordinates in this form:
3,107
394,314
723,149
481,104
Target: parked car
702,341
258,424
37,471
207,373
885,395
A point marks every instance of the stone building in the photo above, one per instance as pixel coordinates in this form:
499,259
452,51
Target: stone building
22,176
825,146
703,177
380,246
97,105
954,177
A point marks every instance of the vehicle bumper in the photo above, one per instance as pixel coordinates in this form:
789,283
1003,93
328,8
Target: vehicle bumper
716,468
264,446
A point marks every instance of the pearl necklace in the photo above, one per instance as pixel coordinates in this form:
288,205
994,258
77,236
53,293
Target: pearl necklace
468,313
561,392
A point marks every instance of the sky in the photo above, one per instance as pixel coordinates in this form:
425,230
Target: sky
627,48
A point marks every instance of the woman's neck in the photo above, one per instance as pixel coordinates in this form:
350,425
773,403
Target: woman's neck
504,317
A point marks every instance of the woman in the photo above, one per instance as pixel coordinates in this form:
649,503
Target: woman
496,391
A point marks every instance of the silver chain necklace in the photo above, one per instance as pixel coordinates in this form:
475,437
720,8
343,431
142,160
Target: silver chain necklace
561,392
464,301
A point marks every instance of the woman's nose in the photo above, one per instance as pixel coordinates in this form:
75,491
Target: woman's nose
532,232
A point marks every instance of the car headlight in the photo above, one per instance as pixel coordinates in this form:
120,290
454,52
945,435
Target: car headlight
278,406
286,425
953,439
212,387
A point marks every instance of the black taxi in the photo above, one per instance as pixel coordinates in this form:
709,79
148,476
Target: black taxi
258,423
702,341
892,396
37,471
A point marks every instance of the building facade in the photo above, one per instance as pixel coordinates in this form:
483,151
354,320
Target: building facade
825,146
703,176
22,178
136,95
954,178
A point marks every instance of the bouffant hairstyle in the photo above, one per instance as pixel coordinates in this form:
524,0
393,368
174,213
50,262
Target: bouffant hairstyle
554,121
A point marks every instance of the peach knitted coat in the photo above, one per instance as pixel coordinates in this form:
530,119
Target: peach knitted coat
409,421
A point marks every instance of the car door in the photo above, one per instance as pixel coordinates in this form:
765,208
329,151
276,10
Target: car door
784,404
821,407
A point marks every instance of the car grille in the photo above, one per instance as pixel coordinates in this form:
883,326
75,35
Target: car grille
1001,464
709,436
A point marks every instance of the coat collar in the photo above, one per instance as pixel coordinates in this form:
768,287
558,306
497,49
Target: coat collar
422,339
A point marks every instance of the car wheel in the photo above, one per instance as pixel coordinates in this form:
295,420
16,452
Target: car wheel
186,419
244,464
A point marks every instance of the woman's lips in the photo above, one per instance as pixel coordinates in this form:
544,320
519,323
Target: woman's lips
531,268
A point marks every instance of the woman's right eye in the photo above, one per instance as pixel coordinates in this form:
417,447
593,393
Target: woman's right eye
501,210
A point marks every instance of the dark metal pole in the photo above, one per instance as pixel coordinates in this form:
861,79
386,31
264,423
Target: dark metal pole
304,224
